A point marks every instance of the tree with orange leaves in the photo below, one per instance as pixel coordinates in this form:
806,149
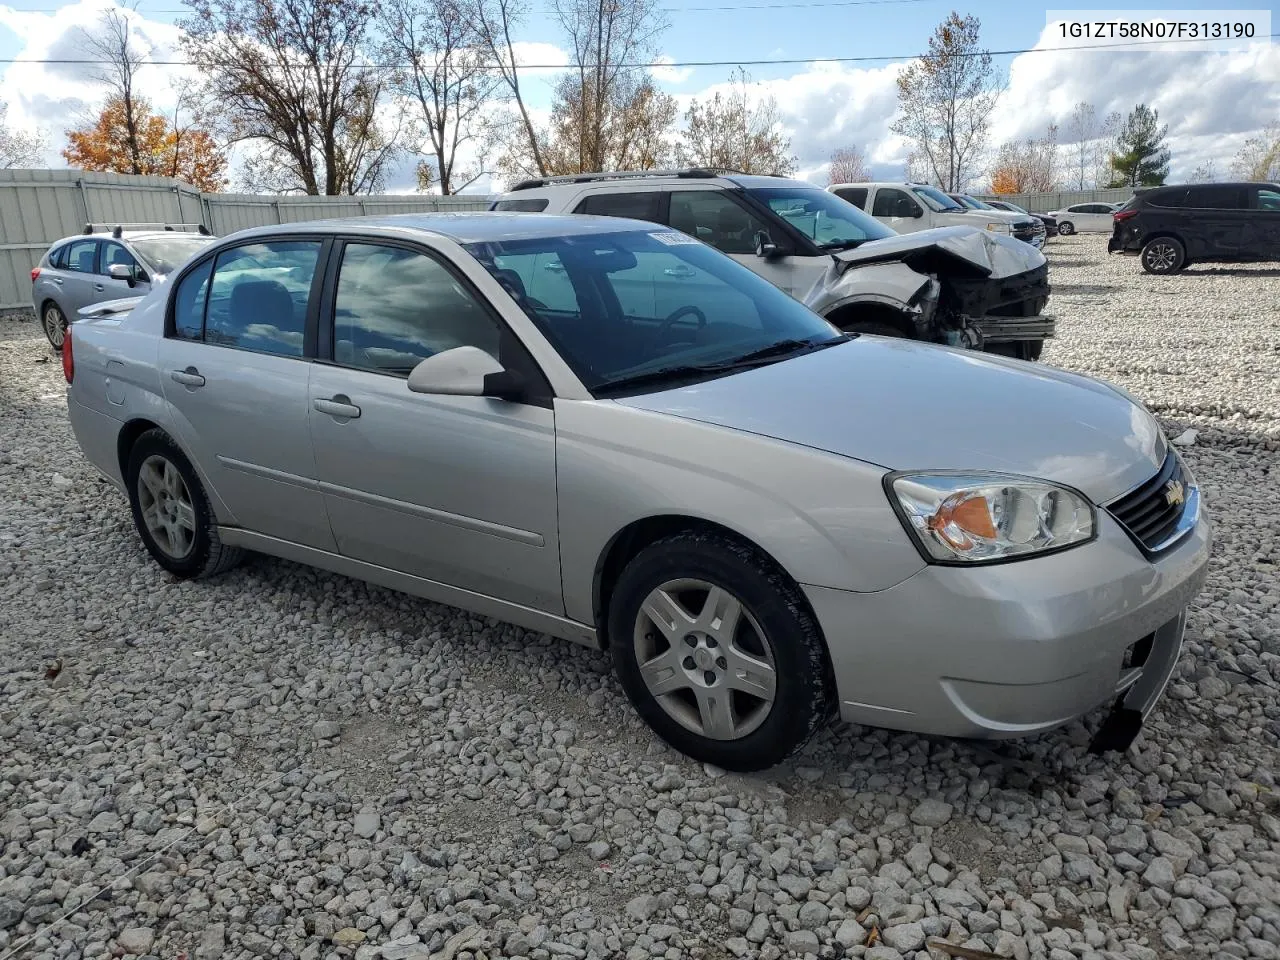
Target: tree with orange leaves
186,153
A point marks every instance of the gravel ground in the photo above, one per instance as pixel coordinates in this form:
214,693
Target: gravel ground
285,763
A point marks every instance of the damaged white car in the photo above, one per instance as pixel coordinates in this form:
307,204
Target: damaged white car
953,285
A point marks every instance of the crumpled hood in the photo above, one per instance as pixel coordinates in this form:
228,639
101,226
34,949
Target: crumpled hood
985,252
904,405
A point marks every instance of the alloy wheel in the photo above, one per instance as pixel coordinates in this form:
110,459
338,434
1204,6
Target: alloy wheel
55,327
705,659
167,508
1161,257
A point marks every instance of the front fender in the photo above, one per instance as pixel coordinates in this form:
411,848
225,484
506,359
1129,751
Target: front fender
824,518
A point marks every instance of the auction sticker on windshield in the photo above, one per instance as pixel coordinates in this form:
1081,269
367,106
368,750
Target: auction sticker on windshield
673,239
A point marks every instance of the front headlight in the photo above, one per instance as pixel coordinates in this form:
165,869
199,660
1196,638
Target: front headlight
983,518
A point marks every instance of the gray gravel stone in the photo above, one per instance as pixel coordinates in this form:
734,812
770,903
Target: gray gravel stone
931,813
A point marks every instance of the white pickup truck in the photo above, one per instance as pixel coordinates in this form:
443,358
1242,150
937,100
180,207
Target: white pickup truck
911,207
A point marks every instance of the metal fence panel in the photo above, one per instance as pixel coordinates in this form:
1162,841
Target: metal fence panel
38,207
1057,199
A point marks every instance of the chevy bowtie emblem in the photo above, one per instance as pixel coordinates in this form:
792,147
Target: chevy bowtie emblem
1173,493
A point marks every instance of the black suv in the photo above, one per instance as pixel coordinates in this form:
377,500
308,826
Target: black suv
1171,227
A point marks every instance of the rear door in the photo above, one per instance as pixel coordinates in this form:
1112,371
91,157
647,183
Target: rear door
1262,228
234,365
1217,215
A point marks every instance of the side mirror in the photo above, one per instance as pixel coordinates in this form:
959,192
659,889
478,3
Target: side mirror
466,372
765,248
120,271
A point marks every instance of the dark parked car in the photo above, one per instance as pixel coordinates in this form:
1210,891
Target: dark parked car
1171,227
1050,223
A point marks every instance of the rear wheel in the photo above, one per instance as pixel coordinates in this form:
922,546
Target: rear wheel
717,651
1066,228
1163,255
171,511
54,324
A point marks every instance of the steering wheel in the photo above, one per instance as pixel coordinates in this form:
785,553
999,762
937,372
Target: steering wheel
679,312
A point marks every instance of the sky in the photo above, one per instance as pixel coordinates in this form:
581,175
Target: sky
1212,100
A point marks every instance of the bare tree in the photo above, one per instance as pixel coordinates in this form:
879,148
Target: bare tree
946,98
730,132
1259,158
292,79
1082,130
18,149
495,20
1203,173
448,77
606,39
122,53
1027,165
848,165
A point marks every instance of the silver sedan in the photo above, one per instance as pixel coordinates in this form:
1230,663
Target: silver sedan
610,432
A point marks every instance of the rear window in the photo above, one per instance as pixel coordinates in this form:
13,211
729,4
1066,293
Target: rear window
1163,198
635,206
528,205
855,195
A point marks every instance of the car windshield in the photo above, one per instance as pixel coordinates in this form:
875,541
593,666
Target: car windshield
1013,207
166,254
646,307
829,221
974,203
935,199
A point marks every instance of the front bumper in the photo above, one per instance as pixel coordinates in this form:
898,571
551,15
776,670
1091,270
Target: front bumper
1017,648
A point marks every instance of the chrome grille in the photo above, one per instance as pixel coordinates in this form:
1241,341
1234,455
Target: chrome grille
1149,513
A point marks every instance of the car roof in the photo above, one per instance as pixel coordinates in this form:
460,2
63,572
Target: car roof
626,180
470,227
134,235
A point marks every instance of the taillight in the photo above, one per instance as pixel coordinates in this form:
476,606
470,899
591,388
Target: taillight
35,274
68,359
1120,216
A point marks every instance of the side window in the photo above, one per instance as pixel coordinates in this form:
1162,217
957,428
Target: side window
1265,199
1169,198
189,303
855,195
713,217
522,206
1216,198
58,257
395,307
258,296
637,206
114,253
82,256
891,202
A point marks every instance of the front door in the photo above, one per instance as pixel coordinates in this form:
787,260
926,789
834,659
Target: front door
113,253
235,373
459,490
717,218
898,210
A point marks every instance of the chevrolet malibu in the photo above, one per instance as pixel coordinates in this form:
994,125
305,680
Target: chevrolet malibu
764,520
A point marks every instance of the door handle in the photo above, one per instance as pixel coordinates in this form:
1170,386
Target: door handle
58,281
340,406
99,287
189,377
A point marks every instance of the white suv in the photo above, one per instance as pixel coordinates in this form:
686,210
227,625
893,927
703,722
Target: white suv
911,207
956,286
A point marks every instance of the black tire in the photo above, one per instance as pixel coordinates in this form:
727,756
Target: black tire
804,691
877,329
207,555
1163,255
54,324
1066,228
1018,349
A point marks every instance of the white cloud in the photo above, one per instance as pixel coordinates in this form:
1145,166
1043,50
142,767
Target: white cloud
672,76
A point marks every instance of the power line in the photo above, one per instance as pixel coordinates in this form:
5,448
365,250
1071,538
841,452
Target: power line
788,61
752,6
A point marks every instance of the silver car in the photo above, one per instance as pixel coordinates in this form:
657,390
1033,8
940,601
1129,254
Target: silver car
101,265
765,520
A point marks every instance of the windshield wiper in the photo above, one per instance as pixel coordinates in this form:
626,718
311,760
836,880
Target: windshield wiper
759,357
661,375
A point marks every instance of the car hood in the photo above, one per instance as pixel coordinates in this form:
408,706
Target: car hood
903,405
980,251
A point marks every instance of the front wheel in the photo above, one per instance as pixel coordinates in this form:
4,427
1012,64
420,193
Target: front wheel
54,324
171,511
718,653
1163,255
1066,228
